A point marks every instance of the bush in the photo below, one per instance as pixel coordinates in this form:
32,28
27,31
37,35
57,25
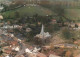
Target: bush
56,27
1,52
66,33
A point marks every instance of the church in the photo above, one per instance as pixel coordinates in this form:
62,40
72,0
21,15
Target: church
43,35
42,38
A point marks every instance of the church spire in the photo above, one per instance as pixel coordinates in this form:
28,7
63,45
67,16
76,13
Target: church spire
43,35
42,30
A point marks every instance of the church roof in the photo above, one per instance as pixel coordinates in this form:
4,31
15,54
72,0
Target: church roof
43,34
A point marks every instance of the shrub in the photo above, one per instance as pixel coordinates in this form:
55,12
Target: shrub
56,27
66,33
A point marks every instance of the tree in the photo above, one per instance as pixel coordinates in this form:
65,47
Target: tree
59,12
66,33
35,17
76,25
17,14
56,27
5,8
1,52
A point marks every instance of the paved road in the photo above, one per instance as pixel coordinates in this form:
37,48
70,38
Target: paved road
22,47
66,45
22,50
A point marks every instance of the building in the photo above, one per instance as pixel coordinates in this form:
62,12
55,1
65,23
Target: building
1,17
1,7
51,55
41,55
43,35
28,29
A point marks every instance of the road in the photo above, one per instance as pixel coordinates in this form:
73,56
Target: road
22,48
66,45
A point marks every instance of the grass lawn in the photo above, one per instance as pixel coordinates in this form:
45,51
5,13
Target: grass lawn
28,11
73,14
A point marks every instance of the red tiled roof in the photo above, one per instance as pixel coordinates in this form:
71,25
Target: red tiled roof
41,55
78,55
21,56
14,42
76,42
54,20
78,24
8,51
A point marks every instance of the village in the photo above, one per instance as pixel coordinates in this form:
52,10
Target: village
13,46
35,29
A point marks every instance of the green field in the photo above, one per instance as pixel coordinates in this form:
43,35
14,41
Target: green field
28,11
71,13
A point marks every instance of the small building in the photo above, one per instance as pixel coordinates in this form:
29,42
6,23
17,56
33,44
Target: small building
77,42
14,43
51,55
46,47
1,17
21,56
53,21
1,7
28,29
16,48
41,55
72,25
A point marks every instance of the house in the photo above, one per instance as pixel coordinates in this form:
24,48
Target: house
28,50
41,55
53,21
1,7
1,17
51,55
13,43
28,29
78,55
31,55
1,23
21,56
16,48
78,24
7,51
72,25
39,23
7,56
46,47
77,42
6,26
11,35
35,50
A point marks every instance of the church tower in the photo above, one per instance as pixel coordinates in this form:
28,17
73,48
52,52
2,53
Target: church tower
43,35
